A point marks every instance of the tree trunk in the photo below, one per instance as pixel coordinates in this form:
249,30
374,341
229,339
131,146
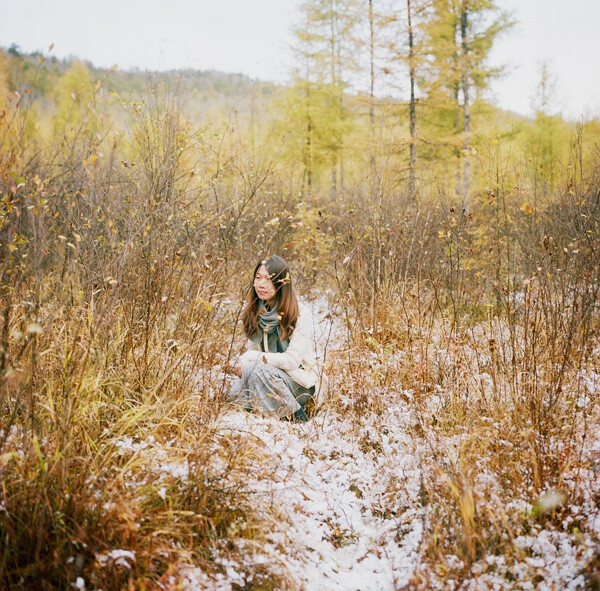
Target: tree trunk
372,94
465,106
457,130
411,109
252,120
333,81
308,152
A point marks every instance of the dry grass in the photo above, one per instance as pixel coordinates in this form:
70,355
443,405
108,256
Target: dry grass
122,256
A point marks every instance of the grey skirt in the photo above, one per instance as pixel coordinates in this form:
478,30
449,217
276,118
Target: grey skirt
269,389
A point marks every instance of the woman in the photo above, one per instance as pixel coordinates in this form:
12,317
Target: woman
278,374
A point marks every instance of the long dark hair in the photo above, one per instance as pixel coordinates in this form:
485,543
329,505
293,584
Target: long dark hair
287,303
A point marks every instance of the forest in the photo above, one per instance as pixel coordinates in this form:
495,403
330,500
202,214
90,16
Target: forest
450,251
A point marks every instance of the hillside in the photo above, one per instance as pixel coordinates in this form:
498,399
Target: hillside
203,90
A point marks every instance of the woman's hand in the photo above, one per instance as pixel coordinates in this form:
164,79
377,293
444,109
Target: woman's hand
236,369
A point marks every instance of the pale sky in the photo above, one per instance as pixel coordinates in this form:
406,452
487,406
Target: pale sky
253,37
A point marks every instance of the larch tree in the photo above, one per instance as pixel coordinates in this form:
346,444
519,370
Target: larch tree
405,48
75,97
460,35
301,102
412,101
417,12
546,127
324,50
379,39
5,76
372,88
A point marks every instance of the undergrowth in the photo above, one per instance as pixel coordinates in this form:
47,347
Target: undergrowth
123,257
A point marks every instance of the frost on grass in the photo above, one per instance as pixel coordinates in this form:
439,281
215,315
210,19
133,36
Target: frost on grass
343,505
123,558
343,502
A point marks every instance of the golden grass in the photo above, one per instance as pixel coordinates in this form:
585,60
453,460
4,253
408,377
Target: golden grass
121,271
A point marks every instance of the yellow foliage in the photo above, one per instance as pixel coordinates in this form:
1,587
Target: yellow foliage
74,95
4,76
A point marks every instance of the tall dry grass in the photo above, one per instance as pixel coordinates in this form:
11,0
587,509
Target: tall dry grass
486,323
119,296
125,234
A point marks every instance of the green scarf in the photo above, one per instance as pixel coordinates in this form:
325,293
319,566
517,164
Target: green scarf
268,323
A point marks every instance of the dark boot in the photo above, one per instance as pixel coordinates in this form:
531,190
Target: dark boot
300,416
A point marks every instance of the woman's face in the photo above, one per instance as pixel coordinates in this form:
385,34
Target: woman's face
263,285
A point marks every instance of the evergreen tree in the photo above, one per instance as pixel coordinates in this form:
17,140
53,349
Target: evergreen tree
413,11
380,39
5,76
460,35
320,79
546,128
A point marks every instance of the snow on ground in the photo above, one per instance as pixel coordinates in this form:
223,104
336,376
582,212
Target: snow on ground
347,496
342,500
346,499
